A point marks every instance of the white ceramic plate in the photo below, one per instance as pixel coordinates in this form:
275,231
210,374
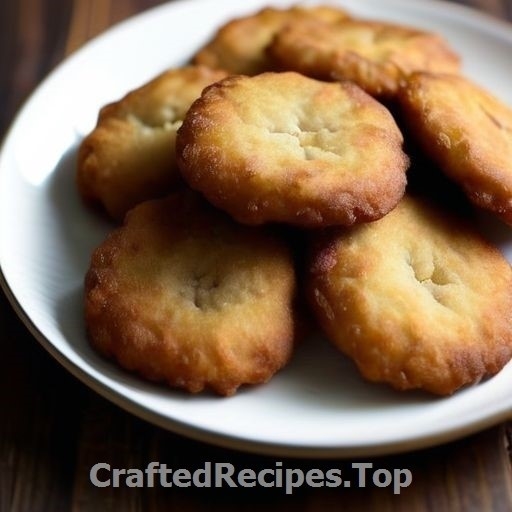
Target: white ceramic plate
318,406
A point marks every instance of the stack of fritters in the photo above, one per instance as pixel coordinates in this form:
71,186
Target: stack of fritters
291,129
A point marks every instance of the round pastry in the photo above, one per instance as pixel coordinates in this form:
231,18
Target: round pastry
240,45
467,132
182,294
417,299
377,56
281,147
130,156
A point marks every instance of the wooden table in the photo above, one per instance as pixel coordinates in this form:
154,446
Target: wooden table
53,428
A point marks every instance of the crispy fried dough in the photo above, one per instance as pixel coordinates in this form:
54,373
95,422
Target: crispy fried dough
283,147
184,295
416,299
377,56
239,46
129,157
467,132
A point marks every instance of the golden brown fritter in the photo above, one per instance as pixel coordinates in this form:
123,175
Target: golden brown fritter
375,55
130,156
240,45
467,131
286,148
182,294
417,299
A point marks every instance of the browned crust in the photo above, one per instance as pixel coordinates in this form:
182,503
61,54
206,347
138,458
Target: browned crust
467,131
239,45
283,147
181,294
130,157
417,299
377,56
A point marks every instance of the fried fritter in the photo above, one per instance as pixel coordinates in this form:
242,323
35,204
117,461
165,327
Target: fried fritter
182,294
467,131
281,147
377,56
417,299
130,156
240,45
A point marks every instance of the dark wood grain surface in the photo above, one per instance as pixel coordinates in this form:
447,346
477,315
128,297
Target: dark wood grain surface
53,428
